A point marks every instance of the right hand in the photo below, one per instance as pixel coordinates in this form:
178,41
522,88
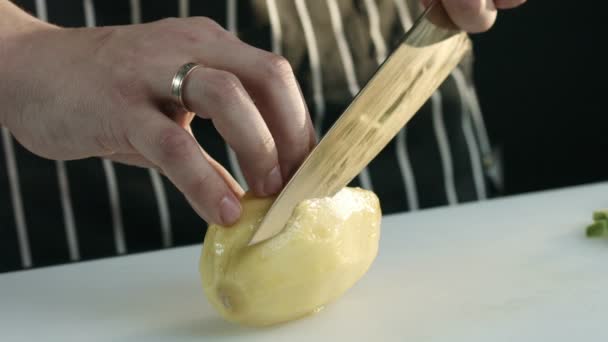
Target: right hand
78,93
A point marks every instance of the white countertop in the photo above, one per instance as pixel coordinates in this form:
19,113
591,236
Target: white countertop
512,269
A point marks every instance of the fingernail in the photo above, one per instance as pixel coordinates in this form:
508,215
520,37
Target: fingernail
230,210
273,181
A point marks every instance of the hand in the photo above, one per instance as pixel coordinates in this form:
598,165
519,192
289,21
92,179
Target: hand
77,93
476,15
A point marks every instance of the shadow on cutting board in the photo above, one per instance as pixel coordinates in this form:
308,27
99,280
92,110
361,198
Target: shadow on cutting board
209,327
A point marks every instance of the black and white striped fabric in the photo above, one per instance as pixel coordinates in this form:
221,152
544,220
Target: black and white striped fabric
54,212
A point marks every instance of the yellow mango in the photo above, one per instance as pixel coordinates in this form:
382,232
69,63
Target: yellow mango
327,245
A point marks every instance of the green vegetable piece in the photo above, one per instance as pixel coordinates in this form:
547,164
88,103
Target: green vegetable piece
598,228
600,215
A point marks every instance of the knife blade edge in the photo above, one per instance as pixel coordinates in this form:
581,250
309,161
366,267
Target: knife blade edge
328,168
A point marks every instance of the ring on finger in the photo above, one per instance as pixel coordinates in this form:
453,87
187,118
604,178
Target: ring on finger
177,84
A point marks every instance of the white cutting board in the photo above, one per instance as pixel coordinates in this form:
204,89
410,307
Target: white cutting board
515,269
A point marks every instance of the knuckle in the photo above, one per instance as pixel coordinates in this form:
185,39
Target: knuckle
207,23
206,29
180,30
222,35
278,68
169,21
174,145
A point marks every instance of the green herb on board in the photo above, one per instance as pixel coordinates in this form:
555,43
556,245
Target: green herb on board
600,215
599,227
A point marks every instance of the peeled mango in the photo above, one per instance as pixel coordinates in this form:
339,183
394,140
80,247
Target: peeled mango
327,245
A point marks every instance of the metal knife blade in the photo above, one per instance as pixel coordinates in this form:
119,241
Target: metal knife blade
427,54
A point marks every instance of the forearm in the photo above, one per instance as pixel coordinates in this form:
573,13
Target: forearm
15,21
15,24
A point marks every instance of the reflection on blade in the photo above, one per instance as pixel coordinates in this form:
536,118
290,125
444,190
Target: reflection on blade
418,65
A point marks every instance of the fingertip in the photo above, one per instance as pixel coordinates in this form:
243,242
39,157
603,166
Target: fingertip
230,210
484,23
508,4
473,16
267,184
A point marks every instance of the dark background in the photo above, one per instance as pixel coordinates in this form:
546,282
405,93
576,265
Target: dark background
538,80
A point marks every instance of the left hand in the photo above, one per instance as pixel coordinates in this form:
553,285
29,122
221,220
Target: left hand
476,16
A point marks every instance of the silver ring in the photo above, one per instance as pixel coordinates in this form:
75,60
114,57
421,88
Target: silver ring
177,83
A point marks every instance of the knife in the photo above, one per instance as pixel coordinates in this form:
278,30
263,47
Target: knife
418,65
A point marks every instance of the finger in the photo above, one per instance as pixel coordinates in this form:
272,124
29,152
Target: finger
132,160
313,138
471,15
270,81
225,101
177,153
508,4
139,161
312,134
178,115
232,183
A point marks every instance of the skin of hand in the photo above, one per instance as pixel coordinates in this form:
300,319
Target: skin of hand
104,92
475,16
